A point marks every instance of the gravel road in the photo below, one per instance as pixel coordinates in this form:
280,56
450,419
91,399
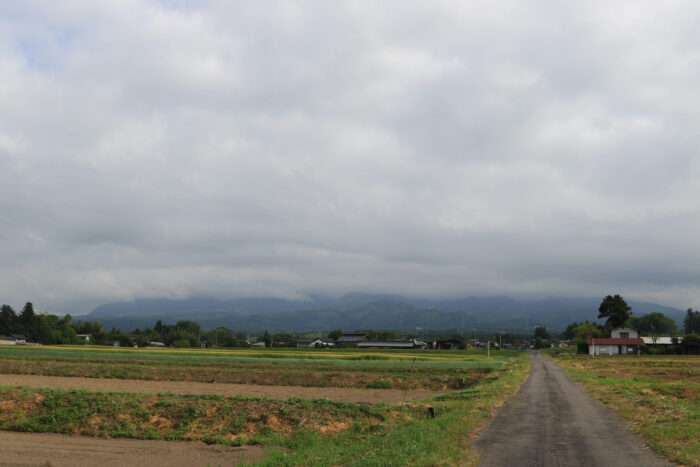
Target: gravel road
551,421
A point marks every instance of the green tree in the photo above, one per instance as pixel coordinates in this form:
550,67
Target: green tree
569,331
224,337
588,330
691,322
541,332
615,309
656,324
335,334
8,319
691,343
28,321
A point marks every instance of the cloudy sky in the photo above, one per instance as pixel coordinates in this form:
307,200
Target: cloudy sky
219,148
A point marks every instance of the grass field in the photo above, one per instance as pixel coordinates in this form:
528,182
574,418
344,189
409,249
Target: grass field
296,432
658,397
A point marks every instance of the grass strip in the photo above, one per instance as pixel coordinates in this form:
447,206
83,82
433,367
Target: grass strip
663,407
316,357
213,419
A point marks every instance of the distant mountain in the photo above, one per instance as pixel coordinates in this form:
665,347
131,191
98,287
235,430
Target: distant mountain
365,311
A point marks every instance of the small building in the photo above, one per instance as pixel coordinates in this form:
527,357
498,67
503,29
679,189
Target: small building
662,340
447,344
352,338
19,338
7,340
395,344
84,337
156,344
316,342
623,341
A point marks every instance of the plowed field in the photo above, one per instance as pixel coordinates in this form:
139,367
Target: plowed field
78,451
189,387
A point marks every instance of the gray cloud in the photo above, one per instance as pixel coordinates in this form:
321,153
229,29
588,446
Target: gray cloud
172,149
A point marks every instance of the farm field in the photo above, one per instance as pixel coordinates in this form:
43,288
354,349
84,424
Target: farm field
283,367
658,397
430,428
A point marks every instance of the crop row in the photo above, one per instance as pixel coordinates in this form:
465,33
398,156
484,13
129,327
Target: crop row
298,375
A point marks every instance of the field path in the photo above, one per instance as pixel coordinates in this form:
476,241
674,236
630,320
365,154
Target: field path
190,387
551,421
42,449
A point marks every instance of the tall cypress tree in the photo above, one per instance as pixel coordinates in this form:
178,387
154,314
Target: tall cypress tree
8,320
29,321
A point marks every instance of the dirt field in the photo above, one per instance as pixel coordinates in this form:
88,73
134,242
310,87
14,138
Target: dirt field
187,387
42,449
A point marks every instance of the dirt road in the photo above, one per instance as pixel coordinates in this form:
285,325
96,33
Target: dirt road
189,387
42,449
551,421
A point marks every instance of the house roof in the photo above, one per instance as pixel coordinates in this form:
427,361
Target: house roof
352,337
394,344
615,341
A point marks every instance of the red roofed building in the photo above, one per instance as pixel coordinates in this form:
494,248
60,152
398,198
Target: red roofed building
624,341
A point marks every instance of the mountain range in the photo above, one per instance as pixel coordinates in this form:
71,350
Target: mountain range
357,311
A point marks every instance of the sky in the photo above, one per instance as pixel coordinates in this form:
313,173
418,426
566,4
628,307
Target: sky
170,149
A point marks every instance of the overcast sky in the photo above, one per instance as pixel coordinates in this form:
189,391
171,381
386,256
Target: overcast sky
439,149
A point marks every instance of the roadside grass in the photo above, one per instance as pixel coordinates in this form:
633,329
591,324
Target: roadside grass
296,432
658,397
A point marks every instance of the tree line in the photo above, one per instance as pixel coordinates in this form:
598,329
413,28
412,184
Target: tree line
46,328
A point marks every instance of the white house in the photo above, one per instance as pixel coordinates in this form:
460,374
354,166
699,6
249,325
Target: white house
7,340
623,341
317,342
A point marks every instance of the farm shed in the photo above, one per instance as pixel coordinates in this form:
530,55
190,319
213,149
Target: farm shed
662,340
395,344
352,338
447,344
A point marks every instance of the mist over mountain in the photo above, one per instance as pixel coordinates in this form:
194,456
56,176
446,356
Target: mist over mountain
365,311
